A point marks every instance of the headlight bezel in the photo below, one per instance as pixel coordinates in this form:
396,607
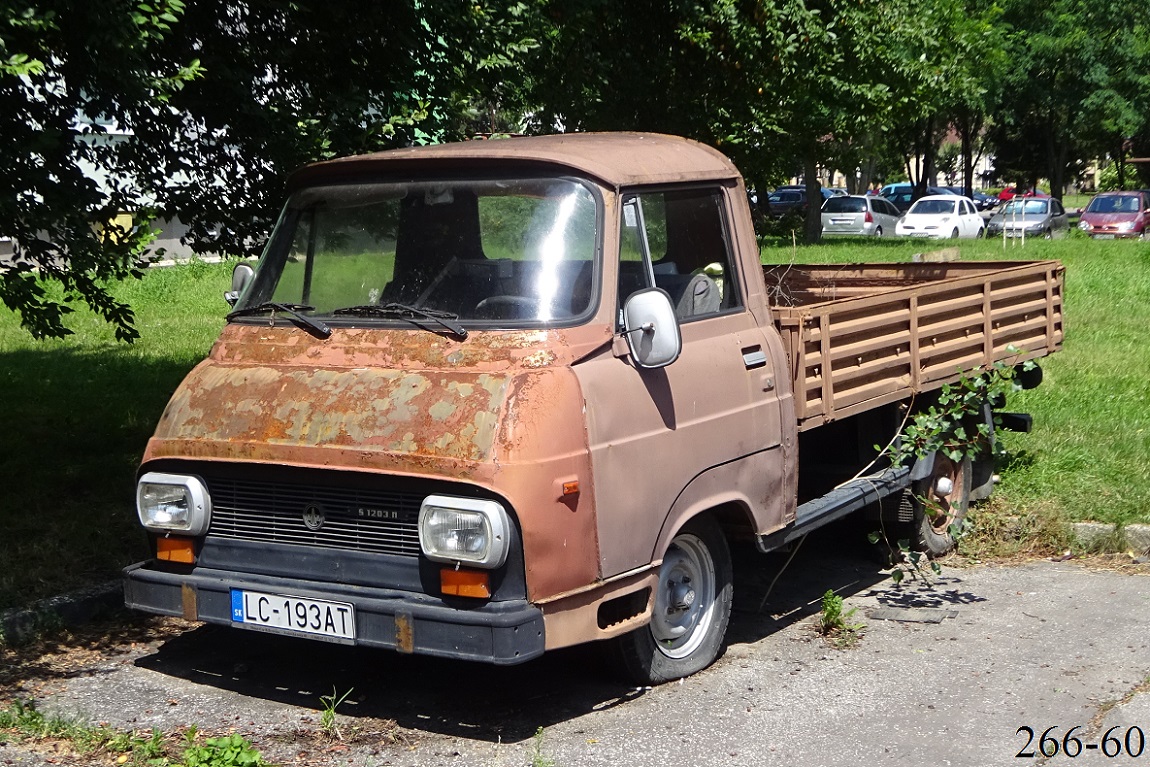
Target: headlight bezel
496,526
197,499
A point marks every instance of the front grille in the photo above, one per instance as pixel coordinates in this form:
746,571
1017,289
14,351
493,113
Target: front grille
358,519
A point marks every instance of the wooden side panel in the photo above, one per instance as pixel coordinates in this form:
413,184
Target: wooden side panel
860,336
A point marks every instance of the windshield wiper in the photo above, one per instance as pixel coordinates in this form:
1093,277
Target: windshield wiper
412,314
292,310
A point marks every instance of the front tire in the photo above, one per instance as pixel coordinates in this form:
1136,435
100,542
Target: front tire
954,234
692,606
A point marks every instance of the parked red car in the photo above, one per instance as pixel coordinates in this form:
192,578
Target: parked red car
1113,215
1010,192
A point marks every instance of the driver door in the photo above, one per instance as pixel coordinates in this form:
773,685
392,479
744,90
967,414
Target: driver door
704,429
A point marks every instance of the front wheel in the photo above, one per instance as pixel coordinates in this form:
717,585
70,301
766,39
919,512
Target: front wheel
692,606
954,234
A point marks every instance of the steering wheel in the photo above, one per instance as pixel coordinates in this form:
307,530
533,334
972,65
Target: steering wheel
507,308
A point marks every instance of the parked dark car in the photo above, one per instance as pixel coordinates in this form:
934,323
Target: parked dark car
981,200
1112,215
792,199
901,195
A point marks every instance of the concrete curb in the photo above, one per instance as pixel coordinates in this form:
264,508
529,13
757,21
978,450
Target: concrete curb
18,625
1098,536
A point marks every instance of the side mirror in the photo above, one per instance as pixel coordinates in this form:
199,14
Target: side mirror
241,277
651,328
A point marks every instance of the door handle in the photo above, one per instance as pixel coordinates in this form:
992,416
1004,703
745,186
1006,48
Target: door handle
754,358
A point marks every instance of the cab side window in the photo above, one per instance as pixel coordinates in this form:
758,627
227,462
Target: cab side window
676,240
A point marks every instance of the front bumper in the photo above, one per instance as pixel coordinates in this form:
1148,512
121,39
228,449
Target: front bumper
503,633
1112,234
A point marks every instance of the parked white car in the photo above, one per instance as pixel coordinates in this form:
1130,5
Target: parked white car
859,215
941,217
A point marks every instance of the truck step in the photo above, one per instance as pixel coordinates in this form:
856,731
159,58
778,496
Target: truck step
839,502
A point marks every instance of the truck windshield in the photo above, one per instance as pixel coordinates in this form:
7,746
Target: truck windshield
514,252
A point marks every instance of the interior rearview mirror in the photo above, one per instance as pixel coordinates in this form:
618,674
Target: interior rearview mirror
651,328
241,276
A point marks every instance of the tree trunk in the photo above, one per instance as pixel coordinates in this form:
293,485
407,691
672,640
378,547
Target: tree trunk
968,126
813,231
1120,164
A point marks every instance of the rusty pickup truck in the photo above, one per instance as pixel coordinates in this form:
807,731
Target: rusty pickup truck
487,399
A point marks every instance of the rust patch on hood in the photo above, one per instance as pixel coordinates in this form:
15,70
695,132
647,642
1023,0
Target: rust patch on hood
439,414
403,348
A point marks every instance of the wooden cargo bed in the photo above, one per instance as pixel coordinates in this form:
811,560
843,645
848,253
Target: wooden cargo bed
863,335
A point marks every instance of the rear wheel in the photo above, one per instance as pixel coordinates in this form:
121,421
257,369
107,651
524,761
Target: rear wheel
940,502
878,231
691,610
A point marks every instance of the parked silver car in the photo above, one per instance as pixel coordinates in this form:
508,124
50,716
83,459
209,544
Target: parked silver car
858,215
1029,217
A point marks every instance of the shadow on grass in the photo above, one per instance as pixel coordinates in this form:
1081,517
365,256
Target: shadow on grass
77,422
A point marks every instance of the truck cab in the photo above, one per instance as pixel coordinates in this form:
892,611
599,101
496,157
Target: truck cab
470,399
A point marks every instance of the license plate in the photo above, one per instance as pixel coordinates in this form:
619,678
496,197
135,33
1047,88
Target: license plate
294,615
1104,237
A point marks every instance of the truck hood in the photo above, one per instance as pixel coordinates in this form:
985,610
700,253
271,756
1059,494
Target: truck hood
356,401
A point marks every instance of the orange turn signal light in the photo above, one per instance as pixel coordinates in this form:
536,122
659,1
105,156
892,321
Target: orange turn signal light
176,549
465,583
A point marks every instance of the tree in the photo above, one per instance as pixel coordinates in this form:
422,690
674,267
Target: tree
771,84
60,61
1076,85
216,104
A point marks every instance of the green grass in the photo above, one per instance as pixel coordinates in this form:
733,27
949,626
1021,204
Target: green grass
78,412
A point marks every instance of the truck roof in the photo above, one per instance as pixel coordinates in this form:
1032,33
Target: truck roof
618,159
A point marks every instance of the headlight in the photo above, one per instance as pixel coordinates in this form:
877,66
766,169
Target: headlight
173,503
463,530
1126,226
1084,226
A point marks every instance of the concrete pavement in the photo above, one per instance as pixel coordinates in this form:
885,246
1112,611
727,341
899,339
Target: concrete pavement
1037,645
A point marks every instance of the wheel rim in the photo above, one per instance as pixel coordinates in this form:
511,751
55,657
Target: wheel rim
945,508
685,599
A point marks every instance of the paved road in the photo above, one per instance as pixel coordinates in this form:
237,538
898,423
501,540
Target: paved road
1037,645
